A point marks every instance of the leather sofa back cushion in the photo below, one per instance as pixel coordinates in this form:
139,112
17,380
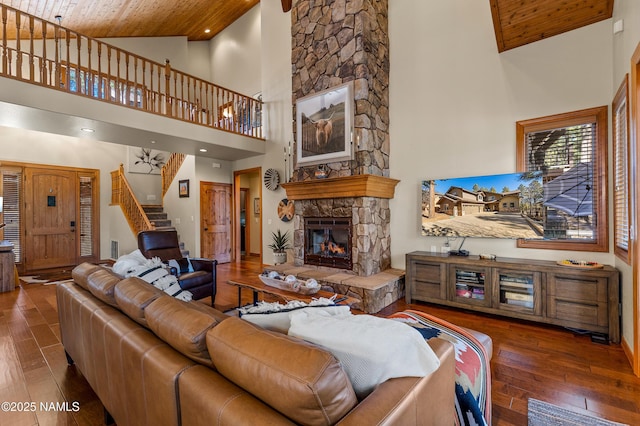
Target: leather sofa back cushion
81,272
102,284
133,295
300,380
181,326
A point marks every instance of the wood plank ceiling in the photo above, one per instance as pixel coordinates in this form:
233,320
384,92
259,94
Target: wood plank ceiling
139,18
519,22
516,22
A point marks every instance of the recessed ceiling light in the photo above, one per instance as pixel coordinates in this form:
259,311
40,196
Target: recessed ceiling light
207,31
87,129
153,141
203,150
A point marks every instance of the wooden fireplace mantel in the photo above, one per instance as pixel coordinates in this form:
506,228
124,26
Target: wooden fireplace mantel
342,187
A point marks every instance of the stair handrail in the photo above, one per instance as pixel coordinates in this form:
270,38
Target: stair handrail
121,194
47,54
170,170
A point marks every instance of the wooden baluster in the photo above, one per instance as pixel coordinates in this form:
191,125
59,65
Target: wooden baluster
135,83
145,91
5,61
118,84
18,48
101,88
56,59
207,109
167,88
44,79
109,74
175,93
80,80
91,78
182,100
67,62
31,49
126,83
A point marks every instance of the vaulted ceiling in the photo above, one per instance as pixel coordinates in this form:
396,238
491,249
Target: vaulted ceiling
516,22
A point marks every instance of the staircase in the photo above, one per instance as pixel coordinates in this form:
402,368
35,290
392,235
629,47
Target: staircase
158,218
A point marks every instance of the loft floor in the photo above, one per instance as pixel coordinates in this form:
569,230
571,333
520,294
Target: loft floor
530,360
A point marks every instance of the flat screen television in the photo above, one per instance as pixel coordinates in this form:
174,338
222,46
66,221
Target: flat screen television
530,205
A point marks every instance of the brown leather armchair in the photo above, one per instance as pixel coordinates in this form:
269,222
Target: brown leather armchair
201,282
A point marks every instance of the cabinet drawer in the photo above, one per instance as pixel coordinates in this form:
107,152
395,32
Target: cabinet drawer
578,289
424,281
577,314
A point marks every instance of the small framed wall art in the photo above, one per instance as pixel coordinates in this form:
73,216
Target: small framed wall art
183,188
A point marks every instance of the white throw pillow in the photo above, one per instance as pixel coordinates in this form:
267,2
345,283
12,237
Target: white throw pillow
371,349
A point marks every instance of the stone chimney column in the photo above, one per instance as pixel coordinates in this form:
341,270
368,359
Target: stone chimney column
340,41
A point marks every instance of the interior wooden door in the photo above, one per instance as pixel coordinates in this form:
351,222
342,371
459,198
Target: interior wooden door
215,217
50,218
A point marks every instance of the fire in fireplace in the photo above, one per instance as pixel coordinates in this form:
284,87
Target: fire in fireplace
327,242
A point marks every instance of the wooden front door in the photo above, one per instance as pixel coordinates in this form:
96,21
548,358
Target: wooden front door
215,217
50,218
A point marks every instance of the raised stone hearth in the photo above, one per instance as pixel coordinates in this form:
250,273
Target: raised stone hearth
375,292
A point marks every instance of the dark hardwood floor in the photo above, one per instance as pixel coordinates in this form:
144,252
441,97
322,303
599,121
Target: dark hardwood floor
542,362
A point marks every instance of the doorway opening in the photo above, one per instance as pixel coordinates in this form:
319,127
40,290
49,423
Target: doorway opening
247,223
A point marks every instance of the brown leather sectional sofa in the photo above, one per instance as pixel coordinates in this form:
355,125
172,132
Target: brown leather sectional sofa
155,360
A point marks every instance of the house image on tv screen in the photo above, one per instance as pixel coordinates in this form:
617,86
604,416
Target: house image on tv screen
495,206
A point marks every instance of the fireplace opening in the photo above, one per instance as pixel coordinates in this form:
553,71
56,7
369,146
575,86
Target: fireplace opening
327,242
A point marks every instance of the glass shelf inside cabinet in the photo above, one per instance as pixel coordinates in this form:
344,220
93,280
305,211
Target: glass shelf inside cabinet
516,290
470,284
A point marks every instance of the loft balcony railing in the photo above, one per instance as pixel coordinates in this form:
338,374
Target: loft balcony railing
47,54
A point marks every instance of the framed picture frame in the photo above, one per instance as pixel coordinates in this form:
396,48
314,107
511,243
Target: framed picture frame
146,160
183,188
256,206
324,123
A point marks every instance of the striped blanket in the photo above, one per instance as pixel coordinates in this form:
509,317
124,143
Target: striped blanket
473,375
152,271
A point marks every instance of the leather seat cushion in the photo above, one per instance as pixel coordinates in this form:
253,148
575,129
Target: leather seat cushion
300,380
102,284
81,272
181,326
194,279
133,295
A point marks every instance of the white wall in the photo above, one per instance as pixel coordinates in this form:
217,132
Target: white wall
275,80
183,55
454,101
624,44
236,54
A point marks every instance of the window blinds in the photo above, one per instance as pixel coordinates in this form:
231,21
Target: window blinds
621,194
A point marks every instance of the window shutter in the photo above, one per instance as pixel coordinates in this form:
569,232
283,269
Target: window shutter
621,172
86,216
11,189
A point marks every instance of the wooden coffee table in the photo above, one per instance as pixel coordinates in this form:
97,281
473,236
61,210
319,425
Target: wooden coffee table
255,285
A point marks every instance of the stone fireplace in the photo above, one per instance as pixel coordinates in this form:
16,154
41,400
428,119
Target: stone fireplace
327,242
358,206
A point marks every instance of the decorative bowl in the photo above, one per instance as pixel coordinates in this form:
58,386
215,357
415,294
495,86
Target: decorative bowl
298,286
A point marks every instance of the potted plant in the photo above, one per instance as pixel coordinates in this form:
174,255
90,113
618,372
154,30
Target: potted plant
279,245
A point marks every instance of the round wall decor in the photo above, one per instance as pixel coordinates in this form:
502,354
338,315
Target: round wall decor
271,179
286,210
